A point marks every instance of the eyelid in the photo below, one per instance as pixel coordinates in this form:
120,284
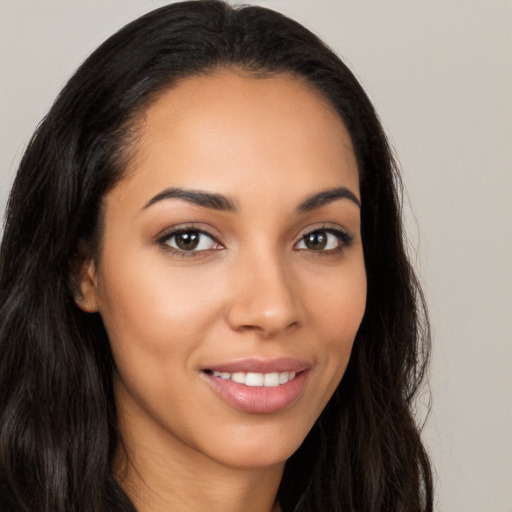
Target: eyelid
200,227
346,237
165,235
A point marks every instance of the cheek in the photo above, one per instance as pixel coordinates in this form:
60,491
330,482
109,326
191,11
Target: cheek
337,301
154,314
156,321
336,308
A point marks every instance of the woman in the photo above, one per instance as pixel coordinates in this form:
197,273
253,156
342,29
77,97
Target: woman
205,297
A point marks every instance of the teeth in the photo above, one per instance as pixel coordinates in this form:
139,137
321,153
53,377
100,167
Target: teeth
269,380
254,379
238,377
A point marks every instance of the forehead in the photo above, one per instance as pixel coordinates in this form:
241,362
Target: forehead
237,131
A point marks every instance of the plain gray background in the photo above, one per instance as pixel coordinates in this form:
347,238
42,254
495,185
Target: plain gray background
440,75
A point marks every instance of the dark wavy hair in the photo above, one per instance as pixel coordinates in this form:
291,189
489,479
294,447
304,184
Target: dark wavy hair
58,424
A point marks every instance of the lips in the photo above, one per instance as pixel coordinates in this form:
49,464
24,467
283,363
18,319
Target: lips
259,386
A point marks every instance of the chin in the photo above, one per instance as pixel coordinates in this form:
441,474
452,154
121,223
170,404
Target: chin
258,447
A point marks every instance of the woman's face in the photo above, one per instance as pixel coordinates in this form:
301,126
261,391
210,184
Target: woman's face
231,279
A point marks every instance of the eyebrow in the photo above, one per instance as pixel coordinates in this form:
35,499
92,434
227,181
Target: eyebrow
326,197
223,203
204,199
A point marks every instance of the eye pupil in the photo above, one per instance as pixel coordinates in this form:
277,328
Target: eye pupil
316,241
187,241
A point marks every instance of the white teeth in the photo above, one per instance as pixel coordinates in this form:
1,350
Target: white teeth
284,377
238,377
269,380
254,379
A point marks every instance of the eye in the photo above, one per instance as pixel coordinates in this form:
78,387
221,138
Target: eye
189,240
324,240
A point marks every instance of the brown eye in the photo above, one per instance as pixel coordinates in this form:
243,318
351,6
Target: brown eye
316,241
324,240
190,241
187,241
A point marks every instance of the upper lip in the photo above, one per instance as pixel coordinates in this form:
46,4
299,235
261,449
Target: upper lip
258,365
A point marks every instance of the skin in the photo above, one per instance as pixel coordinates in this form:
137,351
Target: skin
256,291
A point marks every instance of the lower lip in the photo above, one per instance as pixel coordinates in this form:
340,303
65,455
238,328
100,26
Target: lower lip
258,399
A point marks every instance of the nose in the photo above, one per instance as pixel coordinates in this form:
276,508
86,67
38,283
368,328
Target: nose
264,298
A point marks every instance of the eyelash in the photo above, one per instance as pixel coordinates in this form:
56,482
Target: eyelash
344,240
167,237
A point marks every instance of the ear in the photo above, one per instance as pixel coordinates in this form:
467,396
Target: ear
86,296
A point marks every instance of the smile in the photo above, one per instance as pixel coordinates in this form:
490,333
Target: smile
259,386
268,380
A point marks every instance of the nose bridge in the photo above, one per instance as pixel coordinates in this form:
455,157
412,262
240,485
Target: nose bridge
263,298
